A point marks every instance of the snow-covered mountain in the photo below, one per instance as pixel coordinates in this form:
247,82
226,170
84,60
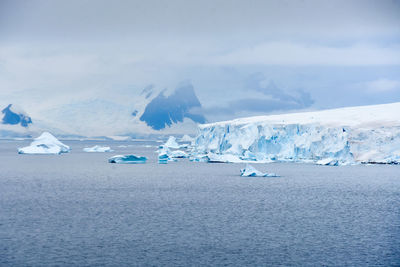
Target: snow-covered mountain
365,134
153,111
163,111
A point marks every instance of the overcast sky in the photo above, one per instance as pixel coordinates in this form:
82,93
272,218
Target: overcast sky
242,57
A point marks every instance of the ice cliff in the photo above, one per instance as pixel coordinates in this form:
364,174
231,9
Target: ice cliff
365,134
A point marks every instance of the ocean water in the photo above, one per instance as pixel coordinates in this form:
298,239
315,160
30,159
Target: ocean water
78,210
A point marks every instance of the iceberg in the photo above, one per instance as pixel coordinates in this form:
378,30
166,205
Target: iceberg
165,155
127,159
345,136
222,158
250,171
198,158
97,148
46,143
178,154
171,143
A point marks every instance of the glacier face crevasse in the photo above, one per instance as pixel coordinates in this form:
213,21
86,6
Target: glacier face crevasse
323,140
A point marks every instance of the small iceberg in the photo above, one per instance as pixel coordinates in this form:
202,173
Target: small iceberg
97,148
328,162
198,158
46,143
179,154
171,143
127,159
165,155
222,158
250,171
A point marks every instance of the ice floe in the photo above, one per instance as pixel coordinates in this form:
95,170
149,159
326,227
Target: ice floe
98,148
250,171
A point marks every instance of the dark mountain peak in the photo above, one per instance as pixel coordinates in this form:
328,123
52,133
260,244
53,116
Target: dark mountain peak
13,117
164,110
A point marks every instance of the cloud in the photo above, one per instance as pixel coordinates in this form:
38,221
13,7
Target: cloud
295,53
382,86
265,97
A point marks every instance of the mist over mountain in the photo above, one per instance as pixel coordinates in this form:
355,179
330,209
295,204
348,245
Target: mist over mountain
163,111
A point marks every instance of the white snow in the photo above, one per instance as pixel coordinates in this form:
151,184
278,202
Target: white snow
365,134
250,171
46,143
97,148
186,138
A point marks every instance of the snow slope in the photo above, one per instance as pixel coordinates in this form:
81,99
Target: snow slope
365,134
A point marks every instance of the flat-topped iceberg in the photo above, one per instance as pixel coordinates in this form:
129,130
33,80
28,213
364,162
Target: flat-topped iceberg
46,143
178,154
366,134
250,171
97,148
127,159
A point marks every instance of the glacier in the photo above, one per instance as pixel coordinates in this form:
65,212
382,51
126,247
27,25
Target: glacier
250,171
98,148
127,159
344,136
46,143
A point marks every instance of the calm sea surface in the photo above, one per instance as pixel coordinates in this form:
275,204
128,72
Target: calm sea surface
77,209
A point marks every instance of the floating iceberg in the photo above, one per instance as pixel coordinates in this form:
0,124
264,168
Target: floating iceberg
97,148
171,143
178,154
165,155
198,158
46,143
127,159
366,134
222,158
250,171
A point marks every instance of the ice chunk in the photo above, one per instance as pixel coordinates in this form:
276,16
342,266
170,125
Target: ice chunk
198,158
165,155
171,143
46,143
328,162
178,154
127,159
250,171
97,148
222,158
